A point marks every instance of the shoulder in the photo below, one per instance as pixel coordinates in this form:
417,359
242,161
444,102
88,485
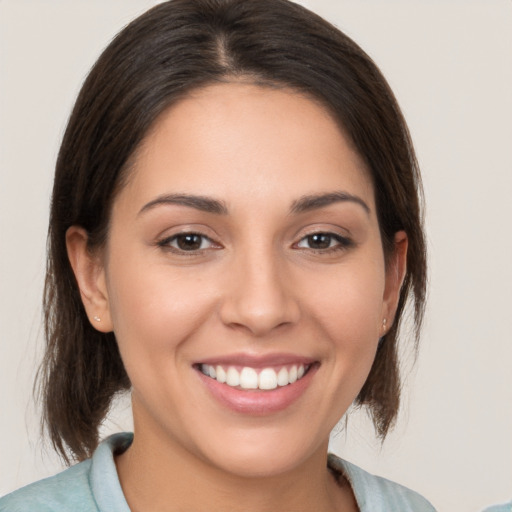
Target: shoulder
90,486
506,507
68,490
377,494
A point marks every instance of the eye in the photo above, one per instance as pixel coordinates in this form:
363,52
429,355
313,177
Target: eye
324,242
187,242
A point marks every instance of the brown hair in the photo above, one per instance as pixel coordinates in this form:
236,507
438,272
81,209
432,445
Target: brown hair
157,59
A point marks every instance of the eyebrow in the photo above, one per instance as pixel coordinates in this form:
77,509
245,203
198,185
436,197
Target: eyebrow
211,205
315,201
203,203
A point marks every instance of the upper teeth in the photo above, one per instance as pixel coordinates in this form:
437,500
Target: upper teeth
249,378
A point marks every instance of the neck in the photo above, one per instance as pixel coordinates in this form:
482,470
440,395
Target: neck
159,475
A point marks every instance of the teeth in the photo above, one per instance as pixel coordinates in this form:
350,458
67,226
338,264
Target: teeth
282,377
249,378
267,379
221,374
232,377
292,377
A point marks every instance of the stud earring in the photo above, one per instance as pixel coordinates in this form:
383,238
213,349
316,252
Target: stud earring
97,318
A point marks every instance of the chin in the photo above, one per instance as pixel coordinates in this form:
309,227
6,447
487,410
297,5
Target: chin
261,454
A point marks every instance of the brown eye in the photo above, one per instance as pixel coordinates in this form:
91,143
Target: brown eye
319,241
324,242
187,242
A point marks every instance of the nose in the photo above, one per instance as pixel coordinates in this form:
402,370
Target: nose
259,296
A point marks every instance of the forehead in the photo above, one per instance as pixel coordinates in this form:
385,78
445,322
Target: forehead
238,139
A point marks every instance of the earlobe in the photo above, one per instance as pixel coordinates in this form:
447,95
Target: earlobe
395,274
90,276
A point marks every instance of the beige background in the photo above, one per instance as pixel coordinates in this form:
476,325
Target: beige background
450,64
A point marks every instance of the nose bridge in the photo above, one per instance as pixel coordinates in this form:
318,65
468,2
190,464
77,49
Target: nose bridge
258,296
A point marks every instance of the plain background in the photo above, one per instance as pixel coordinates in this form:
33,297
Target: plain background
450,65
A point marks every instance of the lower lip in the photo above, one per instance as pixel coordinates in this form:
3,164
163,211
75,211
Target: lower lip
258,402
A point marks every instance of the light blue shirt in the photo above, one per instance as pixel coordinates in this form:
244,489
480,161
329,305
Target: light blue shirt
93,486
506,507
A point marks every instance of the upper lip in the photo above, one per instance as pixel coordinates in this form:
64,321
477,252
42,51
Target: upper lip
257,361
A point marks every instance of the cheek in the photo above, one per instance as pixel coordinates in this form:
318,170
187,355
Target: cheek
347,311
341,307
154,308
347,302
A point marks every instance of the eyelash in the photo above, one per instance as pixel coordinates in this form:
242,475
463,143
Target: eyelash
343,243
166,243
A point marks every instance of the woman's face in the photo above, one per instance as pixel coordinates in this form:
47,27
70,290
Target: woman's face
245,246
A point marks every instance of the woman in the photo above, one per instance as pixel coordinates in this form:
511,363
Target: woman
235,230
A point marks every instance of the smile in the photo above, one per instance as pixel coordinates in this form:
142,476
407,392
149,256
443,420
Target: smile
255,378
257,385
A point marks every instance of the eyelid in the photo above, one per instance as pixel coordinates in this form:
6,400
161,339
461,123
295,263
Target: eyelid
164,242
172,230
344,241
333,236
325,228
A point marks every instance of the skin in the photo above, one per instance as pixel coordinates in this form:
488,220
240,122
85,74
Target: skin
257,286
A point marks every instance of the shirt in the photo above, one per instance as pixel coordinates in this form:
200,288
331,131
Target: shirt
93,486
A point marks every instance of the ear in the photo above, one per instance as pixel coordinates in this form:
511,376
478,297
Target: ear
90,275
395,274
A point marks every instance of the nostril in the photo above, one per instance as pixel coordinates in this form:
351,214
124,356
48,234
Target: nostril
259,319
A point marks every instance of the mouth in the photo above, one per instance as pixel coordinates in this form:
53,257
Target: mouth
247,377
257,386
